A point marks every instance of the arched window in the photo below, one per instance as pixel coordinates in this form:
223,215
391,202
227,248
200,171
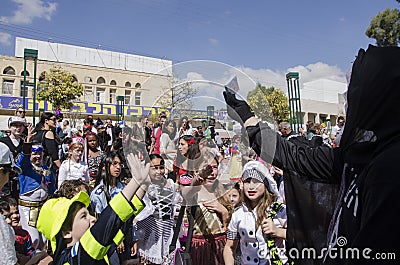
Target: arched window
27,73
138,85
113,83
75,79
128,84
101,80
88,79
41,84
9,71
42,76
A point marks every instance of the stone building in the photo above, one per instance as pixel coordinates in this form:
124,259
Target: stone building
103,74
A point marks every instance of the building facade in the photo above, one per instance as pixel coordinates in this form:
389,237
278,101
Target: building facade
322,100
104,75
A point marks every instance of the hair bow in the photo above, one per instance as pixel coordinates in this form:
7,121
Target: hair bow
191,141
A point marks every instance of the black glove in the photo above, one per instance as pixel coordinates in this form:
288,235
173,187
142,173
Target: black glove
238,110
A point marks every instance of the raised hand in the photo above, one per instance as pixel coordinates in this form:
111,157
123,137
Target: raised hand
238,109
29,133
139,170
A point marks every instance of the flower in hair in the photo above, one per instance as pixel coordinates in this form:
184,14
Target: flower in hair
191,141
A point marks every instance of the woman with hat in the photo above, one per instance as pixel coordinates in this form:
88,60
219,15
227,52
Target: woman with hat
36,183
260,223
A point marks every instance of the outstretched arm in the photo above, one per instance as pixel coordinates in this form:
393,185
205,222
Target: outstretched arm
315,163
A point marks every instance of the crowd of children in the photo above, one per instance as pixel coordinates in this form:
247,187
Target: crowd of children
83,210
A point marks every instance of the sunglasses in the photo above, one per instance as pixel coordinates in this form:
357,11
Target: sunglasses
21,111
161,167
116,163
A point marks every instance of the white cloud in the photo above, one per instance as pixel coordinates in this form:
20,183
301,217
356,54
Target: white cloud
213,42
194,76
27,10
307,73
319,70
209,77
342,19
5,38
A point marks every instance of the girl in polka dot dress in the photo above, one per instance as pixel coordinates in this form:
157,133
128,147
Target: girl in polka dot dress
259,225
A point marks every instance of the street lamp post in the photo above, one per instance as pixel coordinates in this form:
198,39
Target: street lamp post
296,119
30,54
120,108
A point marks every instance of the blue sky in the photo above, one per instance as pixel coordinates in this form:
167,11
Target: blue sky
266,39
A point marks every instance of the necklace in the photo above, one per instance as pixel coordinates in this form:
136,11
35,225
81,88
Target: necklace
40,170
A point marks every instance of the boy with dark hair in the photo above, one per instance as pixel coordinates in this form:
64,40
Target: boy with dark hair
23,242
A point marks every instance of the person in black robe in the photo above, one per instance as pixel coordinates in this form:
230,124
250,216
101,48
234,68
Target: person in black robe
355,186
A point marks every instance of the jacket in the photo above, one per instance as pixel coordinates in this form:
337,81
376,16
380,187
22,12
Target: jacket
30,179
95,242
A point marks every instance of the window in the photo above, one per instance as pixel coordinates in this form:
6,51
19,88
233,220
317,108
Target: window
88,79
100,95
128,84
138,85
101,80
75,80
9,71
138,96
127,97
113,83
42,77
26,89
88,93
113,95
27,73
8,86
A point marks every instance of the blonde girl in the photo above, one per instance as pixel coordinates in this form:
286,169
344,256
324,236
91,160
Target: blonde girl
73,167
260,223
234,196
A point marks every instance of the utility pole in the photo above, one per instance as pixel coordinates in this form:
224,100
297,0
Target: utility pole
30,54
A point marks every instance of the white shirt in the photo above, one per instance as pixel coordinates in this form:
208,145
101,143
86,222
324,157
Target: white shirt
7,240
109,132
72,170
335,130
253,243
166,144
67,131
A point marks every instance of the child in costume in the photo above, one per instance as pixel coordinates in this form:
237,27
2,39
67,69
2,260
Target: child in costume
260,223
75,236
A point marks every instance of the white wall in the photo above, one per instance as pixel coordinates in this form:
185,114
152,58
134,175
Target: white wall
57,52
323,90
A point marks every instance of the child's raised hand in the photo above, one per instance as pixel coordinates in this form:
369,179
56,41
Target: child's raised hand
29,133
139,170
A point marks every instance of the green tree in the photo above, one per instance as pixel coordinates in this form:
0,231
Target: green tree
385,27
269,104
60,88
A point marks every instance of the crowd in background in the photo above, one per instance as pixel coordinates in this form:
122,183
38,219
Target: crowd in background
186,165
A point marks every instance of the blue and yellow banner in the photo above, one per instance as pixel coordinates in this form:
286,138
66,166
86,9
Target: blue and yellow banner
11,103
